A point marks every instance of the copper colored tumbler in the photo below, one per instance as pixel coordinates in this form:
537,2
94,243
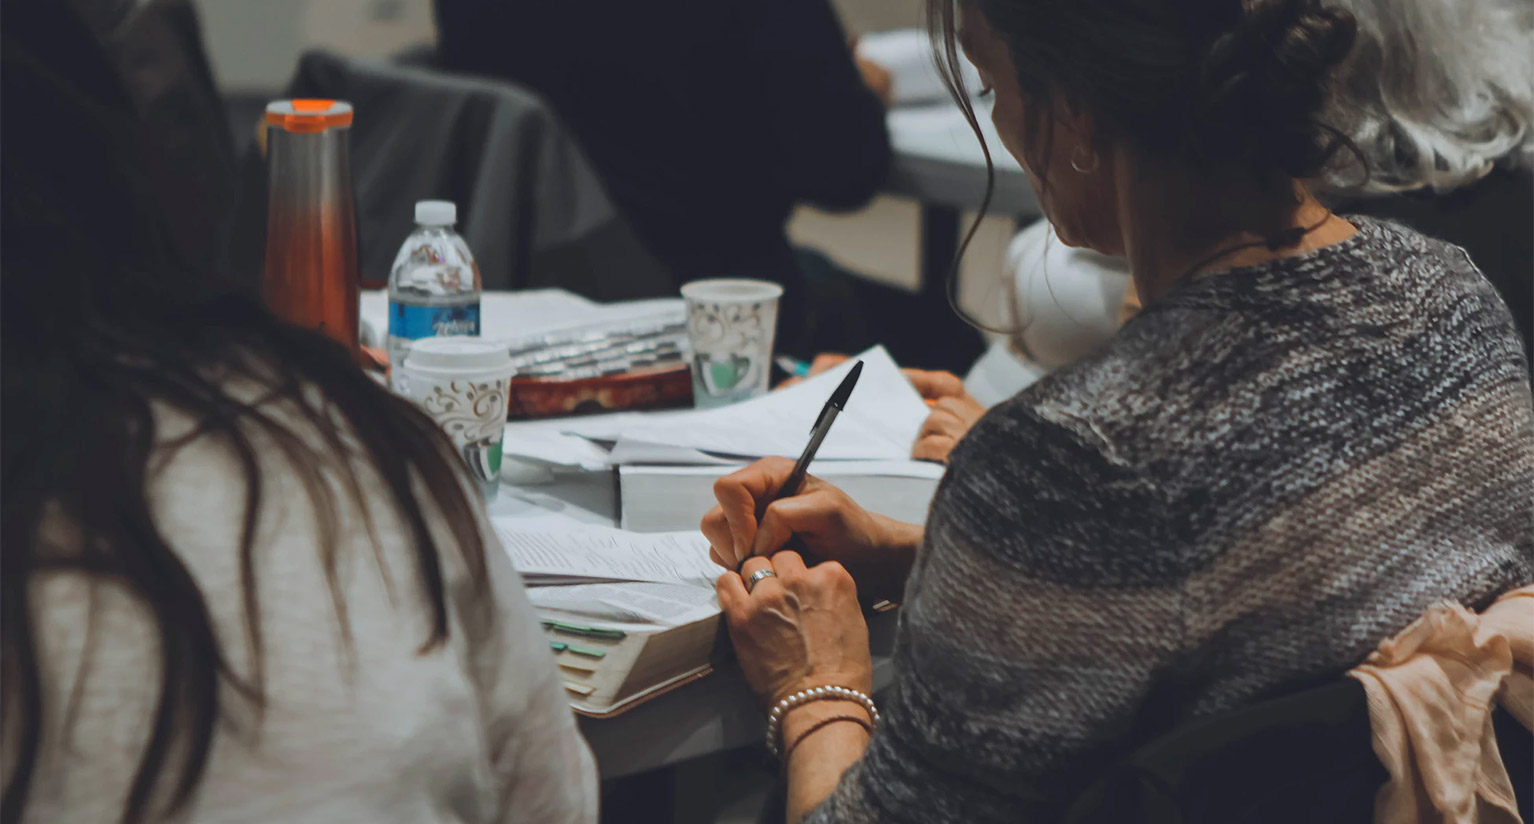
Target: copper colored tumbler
311,278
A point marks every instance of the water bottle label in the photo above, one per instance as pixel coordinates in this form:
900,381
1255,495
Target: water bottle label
416,322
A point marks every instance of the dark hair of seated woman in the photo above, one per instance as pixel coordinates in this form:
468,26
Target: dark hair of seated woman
102,325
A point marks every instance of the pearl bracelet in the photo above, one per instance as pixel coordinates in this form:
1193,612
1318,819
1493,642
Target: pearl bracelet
775,718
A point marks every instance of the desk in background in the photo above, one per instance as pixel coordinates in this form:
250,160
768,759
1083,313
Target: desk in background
938,162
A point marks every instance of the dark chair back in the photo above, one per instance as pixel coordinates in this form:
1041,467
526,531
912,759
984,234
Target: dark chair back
1306,757
157,49
530,205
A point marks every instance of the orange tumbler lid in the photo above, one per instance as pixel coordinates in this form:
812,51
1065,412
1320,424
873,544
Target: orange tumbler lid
308,115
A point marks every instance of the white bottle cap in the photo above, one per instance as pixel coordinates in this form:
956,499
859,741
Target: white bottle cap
436,212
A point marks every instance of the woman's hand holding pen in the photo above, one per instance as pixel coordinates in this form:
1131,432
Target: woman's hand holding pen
800,628
821,520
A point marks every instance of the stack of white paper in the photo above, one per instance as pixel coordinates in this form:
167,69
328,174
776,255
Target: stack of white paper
880,423
518,318
598,554
661,579
503,315
629,606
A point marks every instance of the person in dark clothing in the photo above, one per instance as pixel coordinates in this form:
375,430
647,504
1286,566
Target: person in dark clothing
710,122
156,47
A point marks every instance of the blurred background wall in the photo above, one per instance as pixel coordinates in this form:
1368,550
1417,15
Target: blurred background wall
254,45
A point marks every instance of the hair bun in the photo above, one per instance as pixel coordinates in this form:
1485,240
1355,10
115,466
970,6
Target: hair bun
1264,82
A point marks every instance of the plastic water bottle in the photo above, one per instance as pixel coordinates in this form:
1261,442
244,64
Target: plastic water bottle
434,286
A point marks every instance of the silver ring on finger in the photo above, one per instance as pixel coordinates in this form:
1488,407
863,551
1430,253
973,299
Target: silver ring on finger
757,576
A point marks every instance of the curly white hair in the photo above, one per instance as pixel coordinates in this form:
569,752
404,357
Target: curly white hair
1436,92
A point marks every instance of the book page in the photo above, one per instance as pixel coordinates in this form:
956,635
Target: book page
630,604
881,420
597,554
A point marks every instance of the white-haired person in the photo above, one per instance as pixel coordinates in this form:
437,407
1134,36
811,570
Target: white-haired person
1439,98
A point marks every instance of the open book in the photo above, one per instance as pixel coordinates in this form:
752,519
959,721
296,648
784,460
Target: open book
628,616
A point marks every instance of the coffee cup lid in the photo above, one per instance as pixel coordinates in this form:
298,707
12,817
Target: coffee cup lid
458,354
731,290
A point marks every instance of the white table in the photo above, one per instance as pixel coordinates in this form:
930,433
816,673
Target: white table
939,162
711,715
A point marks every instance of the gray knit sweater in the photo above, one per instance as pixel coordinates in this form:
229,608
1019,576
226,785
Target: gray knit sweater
1262,476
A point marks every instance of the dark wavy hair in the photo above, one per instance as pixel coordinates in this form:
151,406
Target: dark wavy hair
1214,83
1221,86
100,322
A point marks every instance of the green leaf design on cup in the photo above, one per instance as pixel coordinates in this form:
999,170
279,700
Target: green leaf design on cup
725,374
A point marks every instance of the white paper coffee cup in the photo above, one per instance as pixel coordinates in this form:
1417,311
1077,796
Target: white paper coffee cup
731,323
464,384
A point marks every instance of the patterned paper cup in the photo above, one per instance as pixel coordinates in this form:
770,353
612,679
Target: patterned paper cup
731,323
463,384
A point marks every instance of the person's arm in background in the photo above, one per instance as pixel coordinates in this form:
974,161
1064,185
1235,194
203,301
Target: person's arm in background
543,767
828,144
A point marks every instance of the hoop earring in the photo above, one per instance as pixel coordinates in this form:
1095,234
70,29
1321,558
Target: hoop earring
1077,164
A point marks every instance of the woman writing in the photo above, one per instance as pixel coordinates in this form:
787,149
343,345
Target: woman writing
1315,428
241,582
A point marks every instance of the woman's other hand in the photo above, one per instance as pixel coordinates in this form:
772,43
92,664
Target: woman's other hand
935,386
821,520
950,420
798,629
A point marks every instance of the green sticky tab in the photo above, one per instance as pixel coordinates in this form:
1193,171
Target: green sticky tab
589,653
558,647
589,632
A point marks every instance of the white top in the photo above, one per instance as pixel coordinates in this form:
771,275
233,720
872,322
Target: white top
1065,302
476,730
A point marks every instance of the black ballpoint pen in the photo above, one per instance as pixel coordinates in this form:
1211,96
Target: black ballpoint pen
818,432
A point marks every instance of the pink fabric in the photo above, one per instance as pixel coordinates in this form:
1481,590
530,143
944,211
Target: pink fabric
1432,689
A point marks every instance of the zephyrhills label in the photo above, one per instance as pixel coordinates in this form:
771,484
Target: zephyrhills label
416,322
